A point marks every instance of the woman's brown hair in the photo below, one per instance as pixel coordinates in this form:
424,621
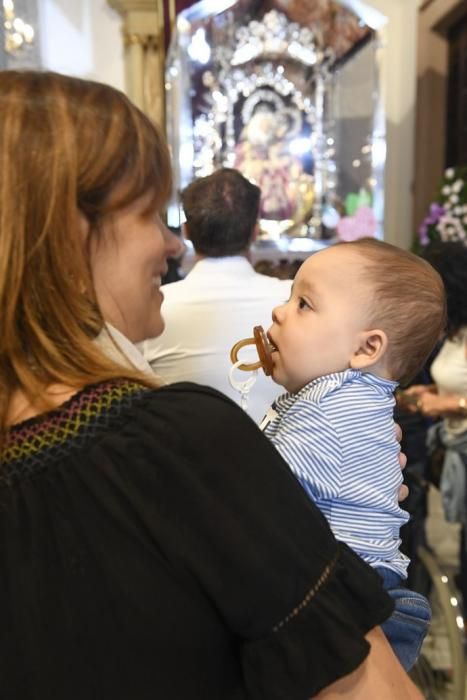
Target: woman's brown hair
69,149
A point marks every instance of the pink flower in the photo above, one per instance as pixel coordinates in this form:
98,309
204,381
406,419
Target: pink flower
361,225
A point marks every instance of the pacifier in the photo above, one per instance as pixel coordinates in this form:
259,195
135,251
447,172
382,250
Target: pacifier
263,348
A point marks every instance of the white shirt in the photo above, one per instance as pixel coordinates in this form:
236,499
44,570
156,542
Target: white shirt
218,303
449,372
337,435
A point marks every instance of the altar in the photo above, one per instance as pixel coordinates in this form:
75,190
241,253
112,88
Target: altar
290,94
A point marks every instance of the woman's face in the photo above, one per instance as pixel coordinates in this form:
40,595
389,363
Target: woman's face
128,258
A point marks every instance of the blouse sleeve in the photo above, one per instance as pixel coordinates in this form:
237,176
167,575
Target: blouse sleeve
237,521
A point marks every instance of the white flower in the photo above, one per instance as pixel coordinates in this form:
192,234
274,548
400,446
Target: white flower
454,198
450,229
449,173
446,190
458,211
458,185
464,220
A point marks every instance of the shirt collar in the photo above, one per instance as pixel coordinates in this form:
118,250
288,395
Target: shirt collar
337,379
235,263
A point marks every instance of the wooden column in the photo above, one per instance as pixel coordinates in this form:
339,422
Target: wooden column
143,37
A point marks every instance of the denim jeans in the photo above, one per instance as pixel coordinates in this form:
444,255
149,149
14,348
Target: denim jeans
408,624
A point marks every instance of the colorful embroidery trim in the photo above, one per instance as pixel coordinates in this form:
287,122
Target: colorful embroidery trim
88,410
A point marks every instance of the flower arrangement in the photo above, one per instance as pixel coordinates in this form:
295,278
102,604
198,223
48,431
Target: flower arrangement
361,225
447,216
360,221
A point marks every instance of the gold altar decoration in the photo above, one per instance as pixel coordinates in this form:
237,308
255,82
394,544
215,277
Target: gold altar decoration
288,92
18,33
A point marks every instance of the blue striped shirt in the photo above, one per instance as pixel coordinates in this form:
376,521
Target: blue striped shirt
337,435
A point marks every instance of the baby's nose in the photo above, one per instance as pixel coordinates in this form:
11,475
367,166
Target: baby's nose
278,313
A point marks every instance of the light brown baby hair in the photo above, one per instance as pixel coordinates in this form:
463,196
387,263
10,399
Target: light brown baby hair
407,302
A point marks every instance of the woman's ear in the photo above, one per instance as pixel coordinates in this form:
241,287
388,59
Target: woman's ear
372,347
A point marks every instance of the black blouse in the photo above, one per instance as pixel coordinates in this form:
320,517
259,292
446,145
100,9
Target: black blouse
154,545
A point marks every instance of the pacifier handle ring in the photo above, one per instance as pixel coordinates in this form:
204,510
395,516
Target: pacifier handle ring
242,387
244,366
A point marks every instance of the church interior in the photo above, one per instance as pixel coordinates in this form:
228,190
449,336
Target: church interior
349,115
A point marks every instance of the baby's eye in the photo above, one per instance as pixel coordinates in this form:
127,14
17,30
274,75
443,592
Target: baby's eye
303,303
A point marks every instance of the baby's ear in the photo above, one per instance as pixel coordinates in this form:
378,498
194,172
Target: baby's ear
372,346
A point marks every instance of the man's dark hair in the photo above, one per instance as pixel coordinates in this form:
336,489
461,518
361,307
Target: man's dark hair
221,212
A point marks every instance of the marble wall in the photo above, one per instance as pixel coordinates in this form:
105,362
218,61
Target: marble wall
83,38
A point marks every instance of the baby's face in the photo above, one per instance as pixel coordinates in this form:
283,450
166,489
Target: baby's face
318,330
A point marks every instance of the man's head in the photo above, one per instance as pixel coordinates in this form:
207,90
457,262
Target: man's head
365,305
221,213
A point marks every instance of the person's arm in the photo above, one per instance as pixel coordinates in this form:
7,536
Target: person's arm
380,676
407,398
417,389
444,405
235,523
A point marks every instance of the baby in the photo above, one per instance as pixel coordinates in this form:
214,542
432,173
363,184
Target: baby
362,317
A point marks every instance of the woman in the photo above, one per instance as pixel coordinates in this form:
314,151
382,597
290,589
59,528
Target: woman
153,543
447,397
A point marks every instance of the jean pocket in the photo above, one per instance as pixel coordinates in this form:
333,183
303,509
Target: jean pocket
411,604
407,627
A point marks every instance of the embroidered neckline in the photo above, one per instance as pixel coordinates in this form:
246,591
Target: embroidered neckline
29,443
